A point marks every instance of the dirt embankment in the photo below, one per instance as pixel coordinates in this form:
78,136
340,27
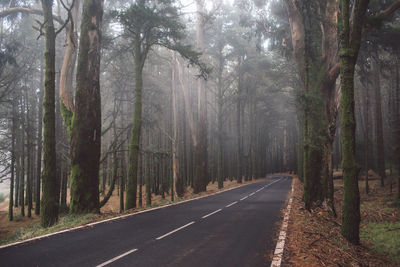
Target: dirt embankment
314,238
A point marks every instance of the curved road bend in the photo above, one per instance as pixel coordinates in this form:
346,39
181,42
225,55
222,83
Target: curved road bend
233,228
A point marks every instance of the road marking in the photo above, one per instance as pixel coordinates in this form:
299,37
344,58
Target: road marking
272,183
259,190
278,253
205,216
176,230
252,194
243,198
117,258
230,205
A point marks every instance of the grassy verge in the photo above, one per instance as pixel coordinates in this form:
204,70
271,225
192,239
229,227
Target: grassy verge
384,238
34,230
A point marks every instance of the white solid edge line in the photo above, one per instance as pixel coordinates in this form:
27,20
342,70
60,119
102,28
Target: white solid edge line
176,230
278,253
119,217
243,198
117,258
230,205
205,216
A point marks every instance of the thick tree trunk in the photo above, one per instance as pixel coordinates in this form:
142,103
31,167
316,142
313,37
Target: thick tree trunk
49,202
131,190
68,67
350,38
86,123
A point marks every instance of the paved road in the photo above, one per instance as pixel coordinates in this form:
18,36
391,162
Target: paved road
234,228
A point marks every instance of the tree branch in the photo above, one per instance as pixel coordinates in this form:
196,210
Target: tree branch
15,10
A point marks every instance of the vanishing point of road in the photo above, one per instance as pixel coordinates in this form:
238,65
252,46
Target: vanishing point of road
234,228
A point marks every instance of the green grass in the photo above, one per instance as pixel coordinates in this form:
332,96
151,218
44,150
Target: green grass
34,230
384,238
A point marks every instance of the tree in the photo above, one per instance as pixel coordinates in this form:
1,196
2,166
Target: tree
148,24
49,202
86,121
315,48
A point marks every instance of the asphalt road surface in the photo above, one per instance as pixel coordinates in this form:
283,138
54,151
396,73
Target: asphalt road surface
233,228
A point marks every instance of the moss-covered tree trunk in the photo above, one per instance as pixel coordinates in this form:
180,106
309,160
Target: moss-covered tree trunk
49,202
86,121
350,38
68,67
131,189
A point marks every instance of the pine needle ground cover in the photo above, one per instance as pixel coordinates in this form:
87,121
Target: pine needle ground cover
314,238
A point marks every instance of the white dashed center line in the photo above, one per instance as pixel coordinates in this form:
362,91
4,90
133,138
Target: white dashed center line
176,230
230,205
205,216
117,258
251,194
243,198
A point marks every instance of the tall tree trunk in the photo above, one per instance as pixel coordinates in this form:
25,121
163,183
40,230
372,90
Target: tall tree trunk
17,160
239,153
68,67
177,179
397,116
122,184
200,147
49,202
13,133
23,154
39,141
366,137
350,39
131,190
220,142
86,123
380,156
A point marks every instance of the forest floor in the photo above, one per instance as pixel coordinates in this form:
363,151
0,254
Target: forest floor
314,237
24,228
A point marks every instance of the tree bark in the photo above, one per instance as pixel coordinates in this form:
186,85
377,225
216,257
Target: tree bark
68,67
86,123
13,133
131,190
200,147
177,179
350,39
380,154
49,202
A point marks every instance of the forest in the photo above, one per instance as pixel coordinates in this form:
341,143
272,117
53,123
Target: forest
120,102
